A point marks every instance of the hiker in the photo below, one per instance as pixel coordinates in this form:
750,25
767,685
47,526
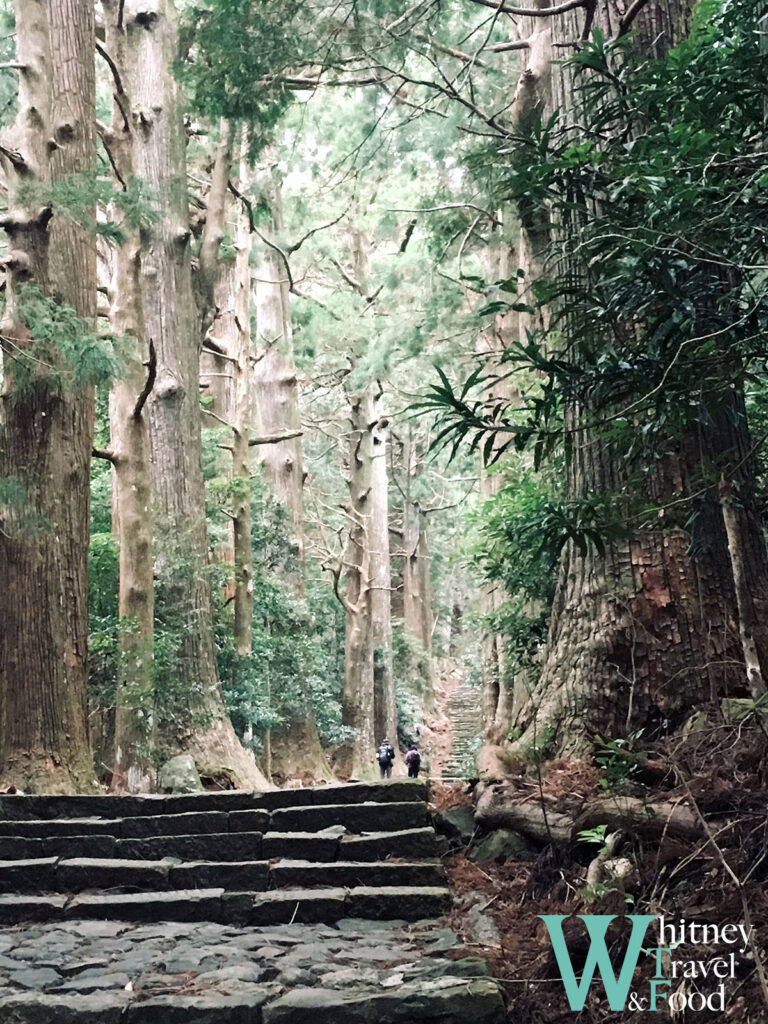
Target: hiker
413,760
385,755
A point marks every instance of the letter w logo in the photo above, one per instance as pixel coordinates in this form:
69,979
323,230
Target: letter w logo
617,989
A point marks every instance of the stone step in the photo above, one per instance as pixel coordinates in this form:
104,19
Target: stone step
228,846
410,843
279,906
20,807
76,875
304,874
368,817
44,836
50,875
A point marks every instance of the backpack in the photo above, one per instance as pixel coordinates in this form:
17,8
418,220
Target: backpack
384,755
415,759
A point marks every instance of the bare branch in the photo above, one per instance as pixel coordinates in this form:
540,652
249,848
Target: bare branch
102,453
630,14
322,227
112,67
447,206
531,12
355,285
150,382
275,438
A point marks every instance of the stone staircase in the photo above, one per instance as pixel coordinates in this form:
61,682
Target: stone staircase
248,859
465,712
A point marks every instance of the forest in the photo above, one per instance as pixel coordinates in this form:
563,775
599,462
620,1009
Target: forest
377,370
353,351
349,347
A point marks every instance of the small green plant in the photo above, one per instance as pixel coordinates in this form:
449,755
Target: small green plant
593,893
617,760
593,835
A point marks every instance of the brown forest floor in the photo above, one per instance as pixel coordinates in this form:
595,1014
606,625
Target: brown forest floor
709,880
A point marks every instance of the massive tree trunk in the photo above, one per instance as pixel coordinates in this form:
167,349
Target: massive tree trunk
174,325
132,767
295,745
358,700
46,423
647,631
385,710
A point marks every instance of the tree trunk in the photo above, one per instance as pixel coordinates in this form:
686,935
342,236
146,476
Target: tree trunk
417,586
46,427
132,768
646,632
358,701
296,747
385,709
225,368
174,326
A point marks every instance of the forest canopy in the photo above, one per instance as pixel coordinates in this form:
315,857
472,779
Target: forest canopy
350,349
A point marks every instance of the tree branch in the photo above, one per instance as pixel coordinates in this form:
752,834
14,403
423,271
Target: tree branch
630,14
531,12
150,382
102,453
274,438
112,67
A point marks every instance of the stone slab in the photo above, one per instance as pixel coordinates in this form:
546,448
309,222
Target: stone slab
31,908
299,844
300,873
79,846
100,1008
44,829
250,875
253,820
300,906
93,873
208,1009
447,1000
412,903
25,876
184,824
410,843
218,846
178,905
362,792
370,817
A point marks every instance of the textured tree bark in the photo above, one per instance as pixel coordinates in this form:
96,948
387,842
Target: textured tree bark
225,366
132,768
275,381
646,632
173,324
358,701
46,432
417,583
295,745
385,709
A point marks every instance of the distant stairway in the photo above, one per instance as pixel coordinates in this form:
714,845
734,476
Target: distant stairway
466,715
306,855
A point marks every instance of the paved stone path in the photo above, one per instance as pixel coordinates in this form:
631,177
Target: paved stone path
465,711
104,972
231,908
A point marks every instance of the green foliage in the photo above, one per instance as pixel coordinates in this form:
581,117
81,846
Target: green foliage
663,306
78,195
239,53
617,760
62,352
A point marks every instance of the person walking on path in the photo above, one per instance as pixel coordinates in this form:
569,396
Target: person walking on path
413,760
385,755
